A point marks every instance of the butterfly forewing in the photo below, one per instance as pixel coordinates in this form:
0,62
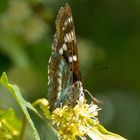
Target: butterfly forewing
65,41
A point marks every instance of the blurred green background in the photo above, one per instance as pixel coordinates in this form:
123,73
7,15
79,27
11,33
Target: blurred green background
108,33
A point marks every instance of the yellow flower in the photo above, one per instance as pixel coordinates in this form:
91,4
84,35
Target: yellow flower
79,121
86,113
71,122
65,122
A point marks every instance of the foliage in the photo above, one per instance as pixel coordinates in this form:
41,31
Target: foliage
69,122
10,126
80,121
41,130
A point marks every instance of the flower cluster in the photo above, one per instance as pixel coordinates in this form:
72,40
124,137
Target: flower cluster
75,122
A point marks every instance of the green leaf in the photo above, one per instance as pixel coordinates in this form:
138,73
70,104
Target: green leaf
40,127
100,133
15,91
44,106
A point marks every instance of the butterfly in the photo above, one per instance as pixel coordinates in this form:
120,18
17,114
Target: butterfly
64,76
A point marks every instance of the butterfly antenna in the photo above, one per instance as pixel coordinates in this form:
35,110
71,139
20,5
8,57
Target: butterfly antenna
97,70
102,68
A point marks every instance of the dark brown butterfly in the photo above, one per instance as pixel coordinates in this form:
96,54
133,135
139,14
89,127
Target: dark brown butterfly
64,77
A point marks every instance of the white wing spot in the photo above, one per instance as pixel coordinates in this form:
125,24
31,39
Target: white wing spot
69,20
59,81
55,35
59,94
70,59
59,88
61,51
49,80
74,58
49,60
64,47
63,28
68,37
65,39
72,34
65,23
48,71
52,46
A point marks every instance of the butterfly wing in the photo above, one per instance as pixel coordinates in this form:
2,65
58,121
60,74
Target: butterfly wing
64,66
58,78
65,41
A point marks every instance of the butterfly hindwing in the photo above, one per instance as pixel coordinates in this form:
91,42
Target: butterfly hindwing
58,78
